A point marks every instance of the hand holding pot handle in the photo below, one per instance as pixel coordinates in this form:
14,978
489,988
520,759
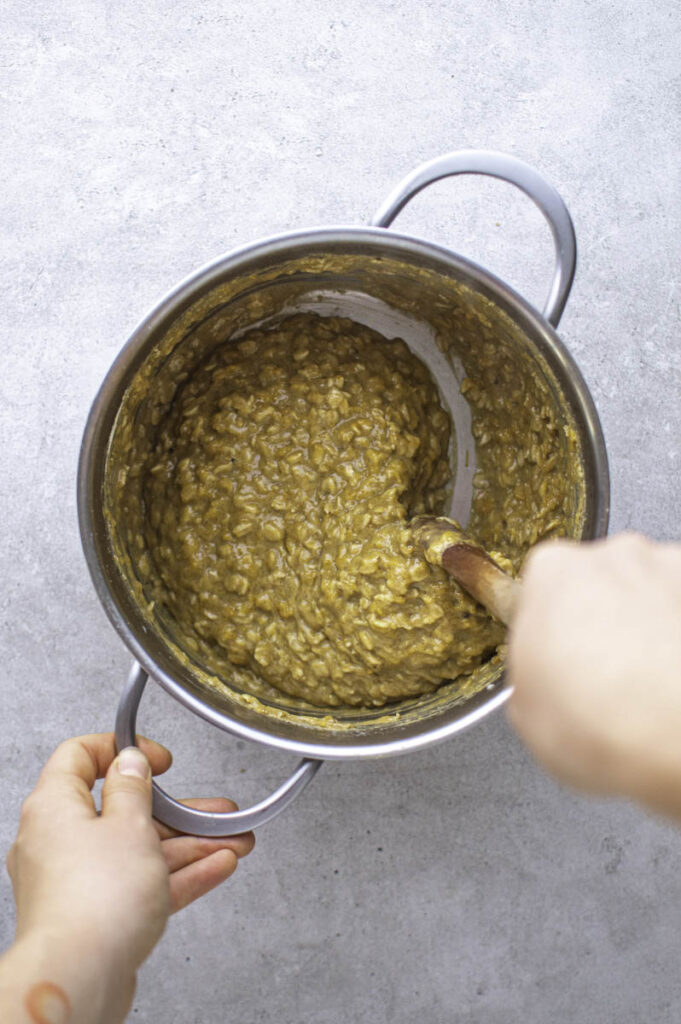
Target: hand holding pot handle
190,819
524,177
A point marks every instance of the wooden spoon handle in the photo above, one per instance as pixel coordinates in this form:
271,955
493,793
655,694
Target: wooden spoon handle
445,544
475,571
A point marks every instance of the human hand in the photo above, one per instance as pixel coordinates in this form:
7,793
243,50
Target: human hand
595,661
93,893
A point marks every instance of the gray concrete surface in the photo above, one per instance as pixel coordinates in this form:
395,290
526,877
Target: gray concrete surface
141,139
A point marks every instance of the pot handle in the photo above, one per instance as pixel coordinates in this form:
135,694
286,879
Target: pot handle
188,819
514,171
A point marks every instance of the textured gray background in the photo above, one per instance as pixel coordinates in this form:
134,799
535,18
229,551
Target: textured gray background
141,139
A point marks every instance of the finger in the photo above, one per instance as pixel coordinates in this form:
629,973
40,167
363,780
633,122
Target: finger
88,758
214,804
127,786
186,850
158,756
197,879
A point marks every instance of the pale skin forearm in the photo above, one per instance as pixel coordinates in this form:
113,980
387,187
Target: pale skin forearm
93,891
595,659
56,979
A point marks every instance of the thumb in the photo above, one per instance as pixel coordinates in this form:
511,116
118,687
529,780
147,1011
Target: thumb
127,786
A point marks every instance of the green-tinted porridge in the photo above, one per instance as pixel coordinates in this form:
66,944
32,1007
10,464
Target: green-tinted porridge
267,492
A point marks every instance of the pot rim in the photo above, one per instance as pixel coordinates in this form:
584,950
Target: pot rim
188,291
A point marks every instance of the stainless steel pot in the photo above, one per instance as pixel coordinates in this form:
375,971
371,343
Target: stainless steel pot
389,281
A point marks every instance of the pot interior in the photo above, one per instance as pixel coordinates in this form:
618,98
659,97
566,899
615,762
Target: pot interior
448,312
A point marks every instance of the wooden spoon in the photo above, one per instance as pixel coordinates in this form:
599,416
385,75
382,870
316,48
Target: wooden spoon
445,544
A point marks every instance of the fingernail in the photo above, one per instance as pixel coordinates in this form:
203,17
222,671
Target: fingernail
132,761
